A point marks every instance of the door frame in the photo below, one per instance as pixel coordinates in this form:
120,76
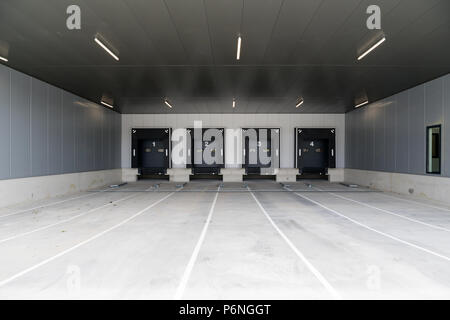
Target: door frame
428,145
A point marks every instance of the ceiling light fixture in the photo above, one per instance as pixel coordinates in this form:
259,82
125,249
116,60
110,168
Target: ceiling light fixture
238,54
101,44
167,103
371,48
299,103
4,59
362,103
234,103
107,104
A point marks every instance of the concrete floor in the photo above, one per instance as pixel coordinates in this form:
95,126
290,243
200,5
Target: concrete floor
258,242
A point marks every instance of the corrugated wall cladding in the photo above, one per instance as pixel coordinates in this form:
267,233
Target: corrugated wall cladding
45,130
389,135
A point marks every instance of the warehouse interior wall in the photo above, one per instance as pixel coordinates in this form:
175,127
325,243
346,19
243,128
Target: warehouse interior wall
45,130
286,123
390,135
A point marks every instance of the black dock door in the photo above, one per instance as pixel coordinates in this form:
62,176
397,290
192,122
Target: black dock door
261,149
315,150
209,143
150,150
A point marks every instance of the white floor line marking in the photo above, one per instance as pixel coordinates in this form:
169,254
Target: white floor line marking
385,211
51,204
416,202
410,201
375,230
308,264
98,235
391,213
190,266
66,220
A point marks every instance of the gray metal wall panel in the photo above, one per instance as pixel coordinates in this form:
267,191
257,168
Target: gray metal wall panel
55,133
379,137
99,139
369,138
446,127
390,140
110,162
5,137
417,130
360,139
402,133
398,143
39,102
111,137
355,142
117,137
68,151
366,161
433,102
80,138
114,147
90,135
85,151
106,140
20,125
348,140
51,131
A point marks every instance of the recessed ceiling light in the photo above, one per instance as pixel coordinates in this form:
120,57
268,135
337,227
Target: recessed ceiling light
361,104
299,102
107,104
167,103
234,103
238,54
101,44
4,59
371,48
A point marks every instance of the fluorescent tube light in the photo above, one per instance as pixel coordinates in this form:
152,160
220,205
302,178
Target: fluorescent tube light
4,59
238,54
299,103
106,48
167,103
107,104
371,48
361,104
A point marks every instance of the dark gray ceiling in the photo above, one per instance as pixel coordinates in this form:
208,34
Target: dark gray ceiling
185,50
